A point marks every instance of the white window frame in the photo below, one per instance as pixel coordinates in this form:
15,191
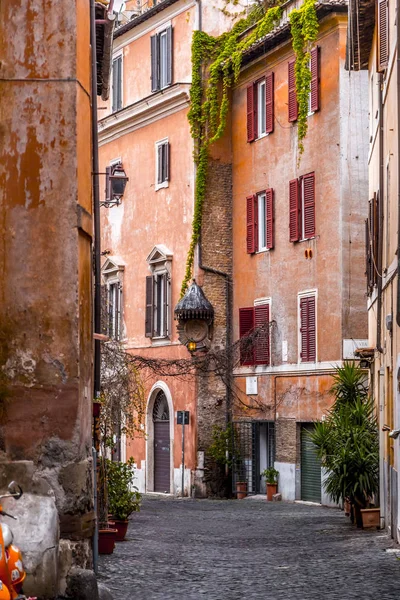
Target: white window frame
113,276
163,59
261,108
261,199
118,54
300,295
165,183
160,264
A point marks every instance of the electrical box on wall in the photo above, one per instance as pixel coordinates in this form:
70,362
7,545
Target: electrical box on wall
251,386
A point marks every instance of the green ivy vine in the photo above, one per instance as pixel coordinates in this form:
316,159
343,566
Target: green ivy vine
216,64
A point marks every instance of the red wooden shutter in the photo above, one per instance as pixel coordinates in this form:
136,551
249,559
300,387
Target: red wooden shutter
246,326
383,34
261,321
292,100
149,306
269,95
251,224
269,218
315,76
294,210
307,329
309,205
251,112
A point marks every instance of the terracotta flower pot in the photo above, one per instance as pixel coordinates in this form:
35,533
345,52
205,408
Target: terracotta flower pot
241,490
371,517
271,490
107,541
122,528
347,507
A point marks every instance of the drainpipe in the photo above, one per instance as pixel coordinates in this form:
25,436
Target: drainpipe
96,252
398,163
380,222
96,206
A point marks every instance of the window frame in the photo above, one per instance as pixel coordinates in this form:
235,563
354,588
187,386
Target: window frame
163,183
160,266
112,276
300,210
312,293
261,108
258,304
118,55
157,56
262,222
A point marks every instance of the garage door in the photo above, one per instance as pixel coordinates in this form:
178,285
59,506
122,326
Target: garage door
310,468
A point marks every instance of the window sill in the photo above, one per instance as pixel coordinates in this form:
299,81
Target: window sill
263,250
160,186
262,136
160,341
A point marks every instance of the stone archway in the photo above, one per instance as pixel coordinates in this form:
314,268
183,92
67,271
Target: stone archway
160,418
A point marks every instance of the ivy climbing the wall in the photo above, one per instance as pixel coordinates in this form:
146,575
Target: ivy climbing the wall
216,64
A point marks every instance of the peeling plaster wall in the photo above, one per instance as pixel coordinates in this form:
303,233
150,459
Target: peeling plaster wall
45,263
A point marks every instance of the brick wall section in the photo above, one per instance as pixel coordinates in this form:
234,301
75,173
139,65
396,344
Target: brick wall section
285,440
216,253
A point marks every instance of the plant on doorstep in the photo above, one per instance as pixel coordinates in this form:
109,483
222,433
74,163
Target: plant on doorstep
271,477
348,442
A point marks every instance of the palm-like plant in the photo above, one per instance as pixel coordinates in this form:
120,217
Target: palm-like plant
347,441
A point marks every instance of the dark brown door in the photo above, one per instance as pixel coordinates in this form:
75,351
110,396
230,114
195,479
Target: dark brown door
161,457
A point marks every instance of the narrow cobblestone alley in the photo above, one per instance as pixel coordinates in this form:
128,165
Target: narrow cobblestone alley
231,550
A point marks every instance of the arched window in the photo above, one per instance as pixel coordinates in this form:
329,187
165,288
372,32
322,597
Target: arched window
160,410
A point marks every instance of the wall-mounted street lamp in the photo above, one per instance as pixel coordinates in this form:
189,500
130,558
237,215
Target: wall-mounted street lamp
116,181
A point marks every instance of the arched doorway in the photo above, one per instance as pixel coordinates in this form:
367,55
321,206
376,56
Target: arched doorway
162,444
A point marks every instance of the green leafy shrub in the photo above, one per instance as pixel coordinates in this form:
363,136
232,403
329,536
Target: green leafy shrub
271,475
348,442
123,496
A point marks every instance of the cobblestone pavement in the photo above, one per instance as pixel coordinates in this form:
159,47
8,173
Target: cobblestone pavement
232,549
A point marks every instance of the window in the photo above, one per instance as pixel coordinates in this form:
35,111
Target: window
293,107
162,163
161,59
114,310
260,108
254,335
383,34
308,345
302,208
313,98
117,83
373,256
112,299
158,293
260,221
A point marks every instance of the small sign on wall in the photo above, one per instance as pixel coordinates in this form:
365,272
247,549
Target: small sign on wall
251,386
349,346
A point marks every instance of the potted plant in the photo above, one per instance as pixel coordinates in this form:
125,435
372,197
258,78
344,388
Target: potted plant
123,496
348,442
271,478
107,533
